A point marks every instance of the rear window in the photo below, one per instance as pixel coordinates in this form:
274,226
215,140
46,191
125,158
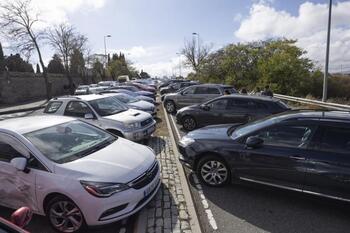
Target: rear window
53,106
213,91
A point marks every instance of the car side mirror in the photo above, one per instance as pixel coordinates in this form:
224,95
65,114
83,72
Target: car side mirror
89,116
254,142
22,217
19,163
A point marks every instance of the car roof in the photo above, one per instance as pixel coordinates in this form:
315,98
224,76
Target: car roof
83,97
317,114
28,124
211,85
253,97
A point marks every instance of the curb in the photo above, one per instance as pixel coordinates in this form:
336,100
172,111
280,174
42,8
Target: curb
194,222
23,109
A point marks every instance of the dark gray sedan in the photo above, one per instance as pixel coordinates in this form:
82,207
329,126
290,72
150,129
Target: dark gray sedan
229,109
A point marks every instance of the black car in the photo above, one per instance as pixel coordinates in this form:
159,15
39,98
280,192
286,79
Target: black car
229,109
175,87
306,151
166,83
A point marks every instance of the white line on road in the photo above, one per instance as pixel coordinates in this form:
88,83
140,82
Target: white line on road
204,201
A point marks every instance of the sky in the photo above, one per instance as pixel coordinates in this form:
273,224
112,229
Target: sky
151,32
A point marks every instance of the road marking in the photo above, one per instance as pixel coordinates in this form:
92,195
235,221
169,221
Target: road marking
204,201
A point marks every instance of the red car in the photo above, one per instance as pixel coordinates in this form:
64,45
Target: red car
143,87
19,219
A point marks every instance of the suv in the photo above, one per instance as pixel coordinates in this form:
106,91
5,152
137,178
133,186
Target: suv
196,94
229,109
305,151
107,112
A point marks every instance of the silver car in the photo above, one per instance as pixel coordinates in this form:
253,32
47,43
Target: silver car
106,112
135,103
196,94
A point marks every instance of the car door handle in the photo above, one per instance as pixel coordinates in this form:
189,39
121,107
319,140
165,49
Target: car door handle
296,157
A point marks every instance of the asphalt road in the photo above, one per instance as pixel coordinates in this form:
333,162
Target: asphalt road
39,224
246,208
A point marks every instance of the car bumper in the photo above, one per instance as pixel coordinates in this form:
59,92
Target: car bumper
186,155
125,203
140,134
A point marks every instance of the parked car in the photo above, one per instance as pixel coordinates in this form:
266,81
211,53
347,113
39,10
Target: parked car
229,109
133,94
174,87
196,94
19,219
134,89
134,103
106,112
81,90
73,172
306,151
168,82
142,87
107,83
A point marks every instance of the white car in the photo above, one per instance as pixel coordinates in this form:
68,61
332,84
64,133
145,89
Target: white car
73,172
105,111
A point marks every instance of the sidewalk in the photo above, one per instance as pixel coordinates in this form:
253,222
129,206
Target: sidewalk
32,106
168,212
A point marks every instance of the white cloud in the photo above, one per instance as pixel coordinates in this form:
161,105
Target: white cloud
238,17
308,27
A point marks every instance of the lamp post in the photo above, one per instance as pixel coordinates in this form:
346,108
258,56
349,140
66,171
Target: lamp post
198,49
106,36
325,78
179,54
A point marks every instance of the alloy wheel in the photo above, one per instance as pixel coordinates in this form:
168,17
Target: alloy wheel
189,123
170,107
214,173
65,216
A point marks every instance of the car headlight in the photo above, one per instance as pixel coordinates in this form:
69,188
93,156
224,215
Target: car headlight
186,141
102,189
133,125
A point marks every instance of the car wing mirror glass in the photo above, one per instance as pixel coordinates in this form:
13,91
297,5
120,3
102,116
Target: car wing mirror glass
20,163
254,142
89,116
22,217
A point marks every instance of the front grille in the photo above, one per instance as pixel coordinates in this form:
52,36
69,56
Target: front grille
146,122
145,178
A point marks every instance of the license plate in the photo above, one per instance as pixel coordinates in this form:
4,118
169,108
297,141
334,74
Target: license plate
150,188
149,131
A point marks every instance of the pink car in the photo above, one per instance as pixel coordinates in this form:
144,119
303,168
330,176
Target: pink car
19,219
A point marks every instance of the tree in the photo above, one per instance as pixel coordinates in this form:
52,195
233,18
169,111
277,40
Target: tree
2,59
64,39
55,65
38,69
120,66
15,63
77,62
97,71
17,22
144,75
195,54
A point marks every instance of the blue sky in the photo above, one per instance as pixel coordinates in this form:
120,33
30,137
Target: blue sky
151,32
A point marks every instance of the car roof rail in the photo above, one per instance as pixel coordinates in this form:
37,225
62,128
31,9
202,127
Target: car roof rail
67,96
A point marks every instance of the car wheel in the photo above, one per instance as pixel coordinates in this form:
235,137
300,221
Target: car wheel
189,123
170,106
213,171
64,215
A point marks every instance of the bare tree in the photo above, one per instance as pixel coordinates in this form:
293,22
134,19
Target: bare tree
195,54
17,23
65,39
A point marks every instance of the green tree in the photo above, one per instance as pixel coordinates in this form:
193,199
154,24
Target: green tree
2,59
77,62
55,65
97,71
144,75
119,66
15,63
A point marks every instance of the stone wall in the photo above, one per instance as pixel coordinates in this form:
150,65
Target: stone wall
23,87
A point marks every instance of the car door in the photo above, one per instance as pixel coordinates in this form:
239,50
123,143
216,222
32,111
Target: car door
328,165
238,110
17,188
213,113
186,97
280,160
209,93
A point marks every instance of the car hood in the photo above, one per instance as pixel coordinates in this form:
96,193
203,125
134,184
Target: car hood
144,93
122,161
129,116
215,132
145,98
142,105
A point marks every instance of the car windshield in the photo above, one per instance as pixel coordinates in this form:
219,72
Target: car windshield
255,125
69,141
126,99
108,106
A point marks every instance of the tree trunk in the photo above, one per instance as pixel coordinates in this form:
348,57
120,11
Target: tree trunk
46,79
70,80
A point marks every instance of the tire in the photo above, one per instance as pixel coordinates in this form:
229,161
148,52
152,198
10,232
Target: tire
213,171
64,215
189,123
170,106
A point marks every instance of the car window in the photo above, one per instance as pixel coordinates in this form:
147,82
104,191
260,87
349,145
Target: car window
7,152
189,91
286,135
213,91
77,109
108,106
201,90
336,139
220,104
242,104
53,106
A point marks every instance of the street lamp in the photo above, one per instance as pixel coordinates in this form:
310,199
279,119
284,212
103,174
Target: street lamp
198,50
107,36
179,54
325,78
